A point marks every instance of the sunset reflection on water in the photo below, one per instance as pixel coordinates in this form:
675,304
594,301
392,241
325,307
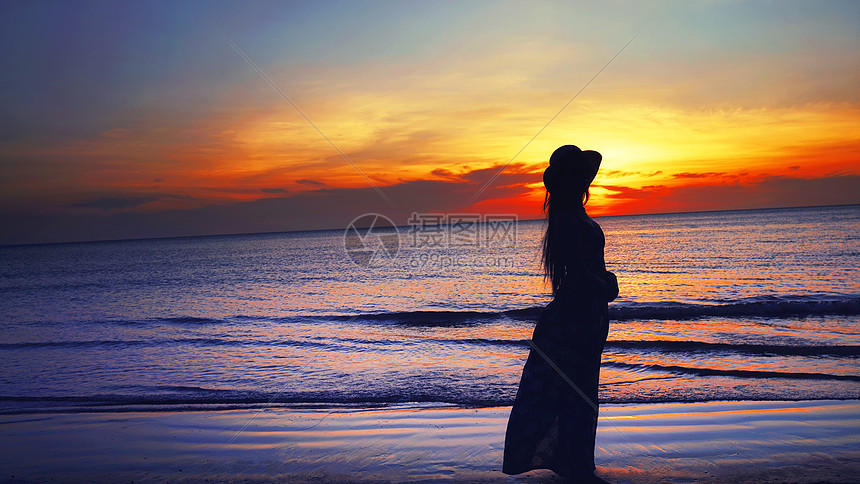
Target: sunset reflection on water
289,318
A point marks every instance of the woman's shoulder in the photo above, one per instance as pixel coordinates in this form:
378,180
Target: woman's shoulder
577,220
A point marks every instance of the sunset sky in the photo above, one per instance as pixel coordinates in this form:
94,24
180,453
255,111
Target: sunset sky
139,119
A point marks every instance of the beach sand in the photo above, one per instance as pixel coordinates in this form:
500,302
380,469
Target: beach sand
815,441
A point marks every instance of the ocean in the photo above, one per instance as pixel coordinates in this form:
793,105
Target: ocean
737,305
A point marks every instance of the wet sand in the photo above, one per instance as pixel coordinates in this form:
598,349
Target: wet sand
814,441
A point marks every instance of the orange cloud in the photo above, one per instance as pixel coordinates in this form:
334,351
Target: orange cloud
677,134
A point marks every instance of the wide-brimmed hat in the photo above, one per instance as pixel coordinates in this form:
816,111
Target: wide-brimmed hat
569,166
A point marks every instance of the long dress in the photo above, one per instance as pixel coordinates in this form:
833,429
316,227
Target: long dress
552,425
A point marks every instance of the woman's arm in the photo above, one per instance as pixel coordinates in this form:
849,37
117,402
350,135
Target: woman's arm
591,273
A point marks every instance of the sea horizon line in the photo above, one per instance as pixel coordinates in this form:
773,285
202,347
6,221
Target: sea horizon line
644,214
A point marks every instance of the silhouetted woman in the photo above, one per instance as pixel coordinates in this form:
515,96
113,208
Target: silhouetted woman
554,419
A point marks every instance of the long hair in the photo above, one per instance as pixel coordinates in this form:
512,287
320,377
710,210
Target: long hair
557,238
